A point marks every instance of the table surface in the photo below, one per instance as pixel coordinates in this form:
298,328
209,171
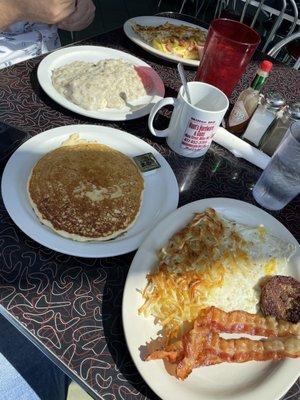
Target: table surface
71,307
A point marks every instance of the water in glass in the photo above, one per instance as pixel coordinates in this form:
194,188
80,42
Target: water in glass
280,181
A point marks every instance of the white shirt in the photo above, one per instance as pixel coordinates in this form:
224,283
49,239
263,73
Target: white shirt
24,40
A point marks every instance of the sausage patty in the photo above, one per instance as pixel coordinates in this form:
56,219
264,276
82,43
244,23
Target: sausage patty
280,297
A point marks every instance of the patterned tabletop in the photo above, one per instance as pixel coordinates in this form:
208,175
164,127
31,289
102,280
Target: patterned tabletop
71,307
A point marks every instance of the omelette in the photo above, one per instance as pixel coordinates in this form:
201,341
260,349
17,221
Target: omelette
212,261
180,40
86,190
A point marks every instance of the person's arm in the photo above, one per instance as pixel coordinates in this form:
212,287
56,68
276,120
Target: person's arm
9,13
82,17
47,11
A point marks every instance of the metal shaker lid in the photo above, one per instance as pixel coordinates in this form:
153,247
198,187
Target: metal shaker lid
294,110
274,100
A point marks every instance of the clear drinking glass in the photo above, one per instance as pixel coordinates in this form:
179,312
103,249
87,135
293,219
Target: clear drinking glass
280,181
228,49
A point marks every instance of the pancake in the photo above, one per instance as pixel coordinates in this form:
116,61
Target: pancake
86,191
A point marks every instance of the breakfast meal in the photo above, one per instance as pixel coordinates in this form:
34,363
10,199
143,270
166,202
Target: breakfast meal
212,277
181,40
211,262
105,84
86,190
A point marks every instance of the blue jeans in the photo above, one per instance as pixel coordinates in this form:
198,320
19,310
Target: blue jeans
25,372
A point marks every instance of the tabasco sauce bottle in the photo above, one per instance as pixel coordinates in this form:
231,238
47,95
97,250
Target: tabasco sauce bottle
248,100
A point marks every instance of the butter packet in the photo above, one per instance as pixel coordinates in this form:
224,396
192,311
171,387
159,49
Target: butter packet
146,163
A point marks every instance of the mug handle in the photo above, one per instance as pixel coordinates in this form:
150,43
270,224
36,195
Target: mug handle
160,104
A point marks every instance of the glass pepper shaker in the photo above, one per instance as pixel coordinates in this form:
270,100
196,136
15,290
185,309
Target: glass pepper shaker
265,113
278,128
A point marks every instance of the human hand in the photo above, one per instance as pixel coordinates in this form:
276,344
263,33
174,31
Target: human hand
47,11
82,17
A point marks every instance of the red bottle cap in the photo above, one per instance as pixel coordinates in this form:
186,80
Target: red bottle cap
266,66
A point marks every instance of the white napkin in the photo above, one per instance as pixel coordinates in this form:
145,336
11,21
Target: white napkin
240,148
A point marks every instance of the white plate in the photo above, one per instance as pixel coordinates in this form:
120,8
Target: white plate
93,54
155,21
159,199
248,381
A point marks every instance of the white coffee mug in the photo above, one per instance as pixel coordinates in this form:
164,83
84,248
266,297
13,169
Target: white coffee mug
192,125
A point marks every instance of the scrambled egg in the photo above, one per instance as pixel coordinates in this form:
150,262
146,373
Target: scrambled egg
181,40
186,49
211,262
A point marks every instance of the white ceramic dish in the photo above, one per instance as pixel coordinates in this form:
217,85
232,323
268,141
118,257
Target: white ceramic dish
156,89
155,21
248,381
159,199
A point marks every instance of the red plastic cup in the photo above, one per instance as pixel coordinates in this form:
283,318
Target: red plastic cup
228,49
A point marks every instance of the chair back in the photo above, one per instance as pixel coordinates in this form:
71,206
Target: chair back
273,52
262,8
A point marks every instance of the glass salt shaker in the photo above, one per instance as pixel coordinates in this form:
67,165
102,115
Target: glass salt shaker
278,128
265,113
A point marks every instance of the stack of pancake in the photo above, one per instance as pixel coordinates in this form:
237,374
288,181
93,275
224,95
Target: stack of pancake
86,191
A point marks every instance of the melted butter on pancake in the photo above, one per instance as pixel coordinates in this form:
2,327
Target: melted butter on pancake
86,191
98,194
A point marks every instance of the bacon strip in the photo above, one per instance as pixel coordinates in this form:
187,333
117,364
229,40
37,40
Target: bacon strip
211,349
172,353
242,322
244,349
194,345
217,320
202,345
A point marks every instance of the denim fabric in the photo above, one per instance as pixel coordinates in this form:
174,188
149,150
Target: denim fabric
25,372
